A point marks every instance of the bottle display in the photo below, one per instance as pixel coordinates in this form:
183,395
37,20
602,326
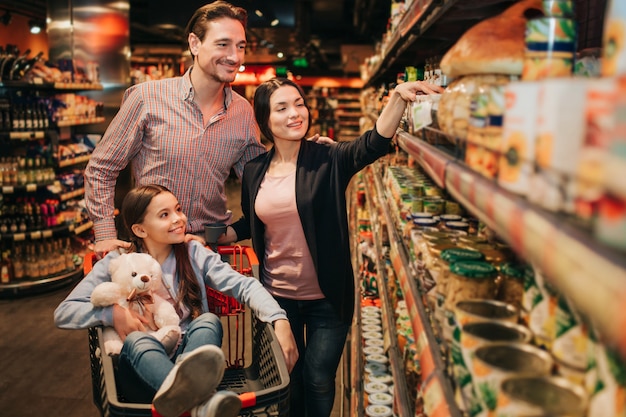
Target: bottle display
41,172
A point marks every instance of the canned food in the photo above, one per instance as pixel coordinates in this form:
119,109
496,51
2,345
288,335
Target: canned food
468,311
470,280
540,396
494,362
473,335
550,48
613,42
558,8
434,205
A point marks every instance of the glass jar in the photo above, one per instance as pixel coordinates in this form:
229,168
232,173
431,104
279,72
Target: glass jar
450,256
470,280
511,287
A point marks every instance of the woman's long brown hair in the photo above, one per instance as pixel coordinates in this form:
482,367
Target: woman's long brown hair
133,212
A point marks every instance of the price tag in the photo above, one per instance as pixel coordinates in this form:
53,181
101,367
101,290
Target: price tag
434,400
35,235
47,233
31,187
7,189
18,237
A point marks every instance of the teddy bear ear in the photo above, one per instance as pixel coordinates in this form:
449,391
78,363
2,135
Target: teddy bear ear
115,264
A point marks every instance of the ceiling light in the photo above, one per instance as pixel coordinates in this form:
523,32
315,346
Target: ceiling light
6,18
258,13
274,22
35,27
280,55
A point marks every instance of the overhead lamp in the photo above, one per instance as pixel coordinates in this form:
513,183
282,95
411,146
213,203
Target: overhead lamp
258,13
274,22
35,27
6,18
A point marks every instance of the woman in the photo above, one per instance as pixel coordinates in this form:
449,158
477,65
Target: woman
187,379
294,209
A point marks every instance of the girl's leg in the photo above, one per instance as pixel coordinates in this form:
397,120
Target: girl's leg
205,329
143,359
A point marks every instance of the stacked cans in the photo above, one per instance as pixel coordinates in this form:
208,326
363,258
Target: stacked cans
551,42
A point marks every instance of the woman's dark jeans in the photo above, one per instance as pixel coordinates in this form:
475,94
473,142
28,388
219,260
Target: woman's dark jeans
320,337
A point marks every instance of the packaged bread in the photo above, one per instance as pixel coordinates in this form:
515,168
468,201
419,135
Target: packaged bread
493,46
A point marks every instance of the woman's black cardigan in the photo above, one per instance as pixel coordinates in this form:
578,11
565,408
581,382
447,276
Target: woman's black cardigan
323,174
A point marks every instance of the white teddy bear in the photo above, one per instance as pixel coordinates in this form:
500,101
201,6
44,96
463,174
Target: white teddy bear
135,277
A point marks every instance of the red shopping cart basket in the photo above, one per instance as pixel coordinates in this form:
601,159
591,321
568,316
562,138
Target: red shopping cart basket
262,385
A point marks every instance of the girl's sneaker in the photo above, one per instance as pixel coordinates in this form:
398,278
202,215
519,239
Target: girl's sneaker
192,381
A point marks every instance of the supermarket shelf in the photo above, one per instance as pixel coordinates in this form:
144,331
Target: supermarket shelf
356,365
28,287
27,135
40,84
28,188
72,194
80,121
61,230
74,161
591,275
402,399
437,390
428,28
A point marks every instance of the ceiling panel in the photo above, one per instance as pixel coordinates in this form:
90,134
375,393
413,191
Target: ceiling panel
315,28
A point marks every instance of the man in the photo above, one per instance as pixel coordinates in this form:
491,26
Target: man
184,133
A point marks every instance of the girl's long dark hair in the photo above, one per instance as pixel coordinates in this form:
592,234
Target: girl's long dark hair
133,212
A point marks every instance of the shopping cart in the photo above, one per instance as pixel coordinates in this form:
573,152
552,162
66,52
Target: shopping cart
262,385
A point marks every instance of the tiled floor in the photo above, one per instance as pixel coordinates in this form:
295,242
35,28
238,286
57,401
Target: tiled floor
44,371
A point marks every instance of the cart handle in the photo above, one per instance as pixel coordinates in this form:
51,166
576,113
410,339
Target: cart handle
90,257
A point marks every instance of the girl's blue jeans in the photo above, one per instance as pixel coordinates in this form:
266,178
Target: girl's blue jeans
320,336
143,362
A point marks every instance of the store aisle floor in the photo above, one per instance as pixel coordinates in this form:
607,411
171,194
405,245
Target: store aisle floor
45,371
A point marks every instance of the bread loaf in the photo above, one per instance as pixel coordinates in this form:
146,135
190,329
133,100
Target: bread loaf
493,46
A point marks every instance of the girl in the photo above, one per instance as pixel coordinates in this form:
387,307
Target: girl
187,380
294,207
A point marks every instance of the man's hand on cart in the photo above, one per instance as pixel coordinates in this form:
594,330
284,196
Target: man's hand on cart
126,321
282,328
228,238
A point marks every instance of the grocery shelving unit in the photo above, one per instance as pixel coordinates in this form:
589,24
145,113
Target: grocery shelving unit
52,136
588,273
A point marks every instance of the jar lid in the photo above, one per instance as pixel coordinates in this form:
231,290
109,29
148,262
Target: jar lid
382,378
457,225
452,255
378,410
514,270
450,217
373,387
472,239
425,222
474,269
380,398
377,358
421,215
